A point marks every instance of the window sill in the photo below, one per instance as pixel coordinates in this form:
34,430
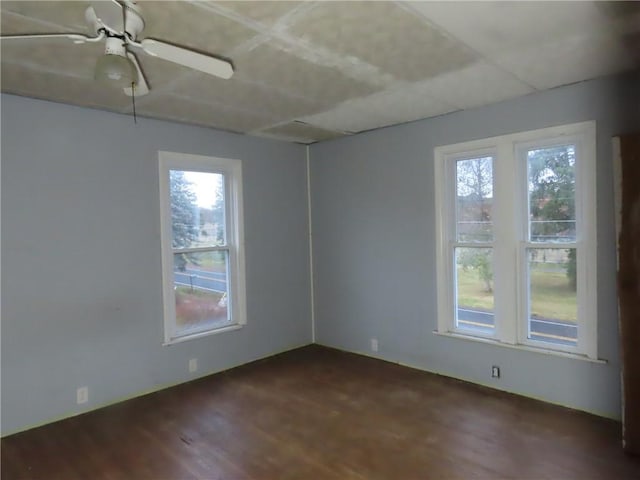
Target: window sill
527,348
194,336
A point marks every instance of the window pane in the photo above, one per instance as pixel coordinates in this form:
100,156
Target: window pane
553,306
552,193
474,198
197,209
474,289
200,284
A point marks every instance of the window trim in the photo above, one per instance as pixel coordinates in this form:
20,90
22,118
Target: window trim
511,243
234,215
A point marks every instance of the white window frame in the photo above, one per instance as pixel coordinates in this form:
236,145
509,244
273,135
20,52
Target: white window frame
510,227
234,219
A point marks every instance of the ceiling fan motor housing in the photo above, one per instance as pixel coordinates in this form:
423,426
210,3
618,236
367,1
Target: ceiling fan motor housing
115,46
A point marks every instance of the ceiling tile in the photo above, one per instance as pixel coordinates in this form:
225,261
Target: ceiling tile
300,132
53,55
545,44
278,69
568,60
475,85
182,110
244,95
385,35
69,15
401,104
197,27
14,24
493,27
22,80
267,13
345,66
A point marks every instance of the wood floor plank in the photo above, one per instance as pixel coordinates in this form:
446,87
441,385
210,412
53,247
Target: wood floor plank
319,413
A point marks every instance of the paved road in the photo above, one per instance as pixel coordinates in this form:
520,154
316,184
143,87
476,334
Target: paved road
202,279
545,329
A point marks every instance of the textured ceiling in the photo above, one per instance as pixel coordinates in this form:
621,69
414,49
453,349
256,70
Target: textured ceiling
312,70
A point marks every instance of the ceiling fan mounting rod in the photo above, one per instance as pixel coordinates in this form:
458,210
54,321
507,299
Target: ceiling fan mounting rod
133,22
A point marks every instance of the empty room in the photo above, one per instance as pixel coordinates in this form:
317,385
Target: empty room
320,239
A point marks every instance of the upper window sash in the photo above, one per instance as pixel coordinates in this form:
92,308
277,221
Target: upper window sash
450,167
232,172
569,153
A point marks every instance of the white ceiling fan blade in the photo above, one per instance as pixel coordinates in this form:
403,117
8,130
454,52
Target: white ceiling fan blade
74,37
110,13
142,87
188,58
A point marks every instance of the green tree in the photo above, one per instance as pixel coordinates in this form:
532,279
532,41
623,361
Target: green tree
478,259
552,206
183,215
218,214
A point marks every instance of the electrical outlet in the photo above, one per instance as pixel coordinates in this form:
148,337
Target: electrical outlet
374,344
82,395
495,371
193,365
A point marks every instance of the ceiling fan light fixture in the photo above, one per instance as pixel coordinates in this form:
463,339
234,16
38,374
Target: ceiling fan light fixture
117,70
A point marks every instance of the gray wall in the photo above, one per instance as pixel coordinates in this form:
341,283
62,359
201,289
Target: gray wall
81,284
81,288
374,244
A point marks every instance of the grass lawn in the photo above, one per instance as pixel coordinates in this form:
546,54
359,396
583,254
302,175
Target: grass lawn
209,261
551,296
215,262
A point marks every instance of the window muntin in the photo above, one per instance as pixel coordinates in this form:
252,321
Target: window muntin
542,242
203,274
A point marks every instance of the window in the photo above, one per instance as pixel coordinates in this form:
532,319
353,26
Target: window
516,239
202,245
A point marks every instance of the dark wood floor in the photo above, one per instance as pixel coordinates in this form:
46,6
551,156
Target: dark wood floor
317,413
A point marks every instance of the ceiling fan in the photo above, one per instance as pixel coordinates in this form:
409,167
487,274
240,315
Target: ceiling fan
119,23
